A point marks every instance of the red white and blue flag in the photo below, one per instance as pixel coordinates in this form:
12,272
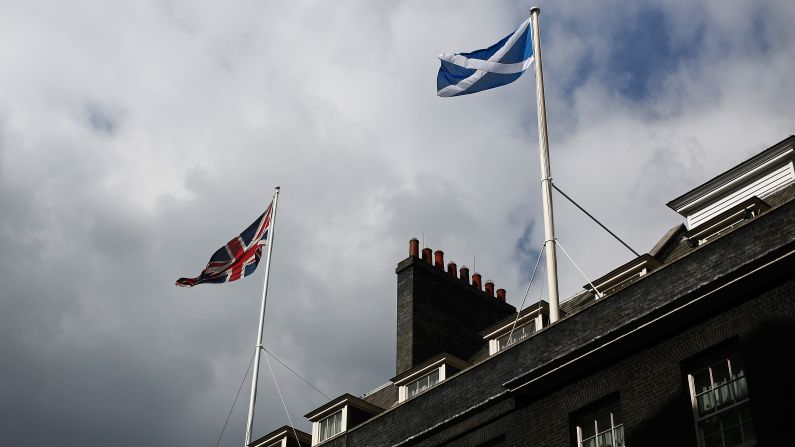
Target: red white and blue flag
238,258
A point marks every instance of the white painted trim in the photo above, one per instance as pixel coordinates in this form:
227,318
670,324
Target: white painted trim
741,177
494,346
316,425
403,390
420,372
762,186
504,329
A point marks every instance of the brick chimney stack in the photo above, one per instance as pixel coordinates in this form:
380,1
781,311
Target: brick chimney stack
440,311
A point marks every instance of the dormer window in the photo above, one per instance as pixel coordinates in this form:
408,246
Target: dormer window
513,330
286,436
519,334
339,415
423,383
427,375
727,220
623,276
330,426
760,176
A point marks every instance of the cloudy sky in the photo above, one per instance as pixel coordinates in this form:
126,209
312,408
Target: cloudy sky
138,137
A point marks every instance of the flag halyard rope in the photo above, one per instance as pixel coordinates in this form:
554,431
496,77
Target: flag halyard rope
296,374
535,269
235,401
275,382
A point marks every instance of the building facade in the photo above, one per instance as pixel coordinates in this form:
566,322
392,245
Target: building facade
687,345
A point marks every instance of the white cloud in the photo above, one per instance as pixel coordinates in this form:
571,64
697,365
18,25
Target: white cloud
136,138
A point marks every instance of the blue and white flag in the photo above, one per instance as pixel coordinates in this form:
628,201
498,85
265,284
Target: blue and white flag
497,65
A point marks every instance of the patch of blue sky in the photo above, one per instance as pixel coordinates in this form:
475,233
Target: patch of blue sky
99,120
642,53
527,251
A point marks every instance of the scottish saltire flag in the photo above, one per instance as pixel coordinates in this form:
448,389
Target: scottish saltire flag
238,258
497,65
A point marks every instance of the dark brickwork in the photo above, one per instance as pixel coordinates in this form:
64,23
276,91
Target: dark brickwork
633,344
440,313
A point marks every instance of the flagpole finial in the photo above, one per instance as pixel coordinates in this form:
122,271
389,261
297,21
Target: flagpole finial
535,9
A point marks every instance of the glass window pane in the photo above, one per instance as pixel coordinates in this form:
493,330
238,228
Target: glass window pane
701,381
434,377
720,372
729,419
723,395
619,436
713,441
748,431
745,412
738,370
709,427
705,403
603,421
740,388
605,439
588,429
732,436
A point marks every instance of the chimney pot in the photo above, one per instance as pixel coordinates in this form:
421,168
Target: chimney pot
501,295
489,287
414,248
464,274
476,281
451,269
438,259
426,255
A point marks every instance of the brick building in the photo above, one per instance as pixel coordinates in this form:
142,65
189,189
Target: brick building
687,345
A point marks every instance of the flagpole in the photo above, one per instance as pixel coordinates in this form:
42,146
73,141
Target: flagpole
546,175
259,347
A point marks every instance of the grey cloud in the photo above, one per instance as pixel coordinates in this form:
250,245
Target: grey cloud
135,139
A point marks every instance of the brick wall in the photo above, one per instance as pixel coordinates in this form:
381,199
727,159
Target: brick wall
440,313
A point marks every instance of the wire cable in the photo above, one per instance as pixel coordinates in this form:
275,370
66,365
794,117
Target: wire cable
235,401
296,374
598,293
535,269
268,362
594,219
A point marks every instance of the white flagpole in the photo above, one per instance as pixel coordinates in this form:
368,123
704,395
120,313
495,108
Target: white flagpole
259,347
546,176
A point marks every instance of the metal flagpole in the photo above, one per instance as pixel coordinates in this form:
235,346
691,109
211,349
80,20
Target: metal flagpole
258,348
546,176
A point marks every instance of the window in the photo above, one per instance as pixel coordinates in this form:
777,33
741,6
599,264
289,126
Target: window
601,428
428,374
422,384
719,395
330,426
519,334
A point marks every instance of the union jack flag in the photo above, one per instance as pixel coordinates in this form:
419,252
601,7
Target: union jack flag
238,258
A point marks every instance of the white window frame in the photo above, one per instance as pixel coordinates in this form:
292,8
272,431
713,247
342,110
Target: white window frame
697,418
613,427
403,390
494,342
343,426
